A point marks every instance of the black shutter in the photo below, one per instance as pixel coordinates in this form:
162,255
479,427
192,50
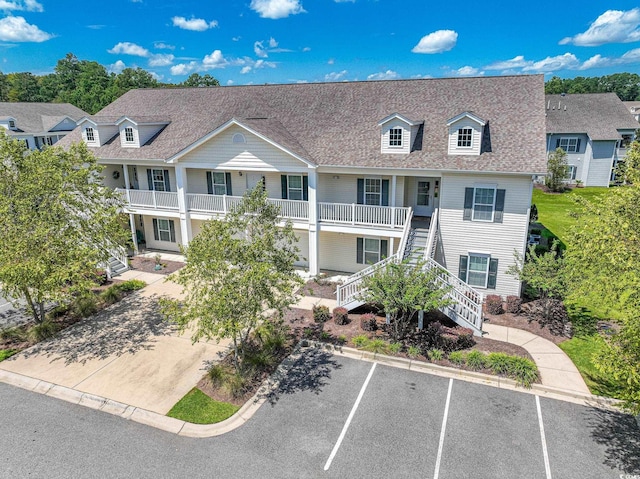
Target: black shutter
360,250
227,180
305,188
462,268
578,146
209,182
285,189
468,204
499,213
172,230
156,236
264,183
493,274
150,179
360,198
557,143
384,249
167,184
385,192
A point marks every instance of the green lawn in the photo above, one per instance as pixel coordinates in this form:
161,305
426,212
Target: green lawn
198,408
6,353
581,350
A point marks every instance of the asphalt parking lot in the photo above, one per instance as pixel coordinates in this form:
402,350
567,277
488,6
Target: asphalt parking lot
10,315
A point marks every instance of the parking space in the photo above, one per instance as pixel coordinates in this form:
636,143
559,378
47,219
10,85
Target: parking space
316,423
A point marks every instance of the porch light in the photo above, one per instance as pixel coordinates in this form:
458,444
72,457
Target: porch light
240,173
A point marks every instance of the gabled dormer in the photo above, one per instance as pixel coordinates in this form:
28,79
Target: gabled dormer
465,134
135,132
8,123
398,134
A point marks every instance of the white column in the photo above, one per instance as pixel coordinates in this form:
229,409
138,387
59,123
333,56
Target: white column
392,201
392,244
134,236
125,169
314,233
185,220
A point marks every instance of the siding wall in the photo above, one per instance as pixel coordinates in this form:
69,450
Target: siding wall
453,137
461,237
197,182
107,173
406,137
338,251
601,163
146,132
165,245
344,189
256,154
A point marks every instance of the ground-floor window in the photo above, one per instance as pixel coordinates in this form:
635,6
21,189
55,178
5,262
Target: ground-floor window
371,250
572,171
478,270
164,230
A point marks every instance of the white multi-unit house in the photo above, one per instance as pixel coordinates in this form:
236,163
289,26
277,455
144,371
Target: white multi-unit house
594,130
38,124
367,172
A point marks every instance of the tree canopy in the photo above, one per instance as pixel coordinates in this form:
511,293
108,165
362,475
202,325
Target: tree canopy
625,85
58,223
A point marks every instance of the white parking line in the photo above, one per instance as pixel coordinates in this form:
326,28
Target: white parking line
351,414
547,467
442,431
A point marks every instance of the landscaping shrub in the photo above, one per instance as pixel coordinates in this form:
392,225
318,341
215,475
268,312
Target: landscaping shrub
552,314
498,362
42,331
377,345
340,316
258,359
413,352
272,335
360,341
541,249
217,373
85,306
7,353
523,370
100,277
368,322
514,304
476,360
58,311
325,335
457,357
342,339
321,314
535,231
236,385
131,285
307,333
395,347
436,354
111,295
437,336
13,334
493,304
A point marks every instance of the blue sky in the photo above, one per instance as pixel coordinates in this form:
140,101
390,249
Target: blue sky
281,41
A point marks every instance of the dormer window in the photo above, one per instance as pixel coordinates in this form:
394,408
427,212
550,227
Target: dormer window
238,138
128,135
90,134
465,137
395,137
12,124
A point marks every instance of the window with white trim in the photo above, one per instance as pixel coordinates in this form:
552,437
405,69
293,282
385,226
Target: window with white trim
570,145
158,180
423,193
48,141
484,201
238,138
294,187
572,171
219,182
90,134
128,135
12,124
373,191
164,230
478,270
465,137
395,137
371,250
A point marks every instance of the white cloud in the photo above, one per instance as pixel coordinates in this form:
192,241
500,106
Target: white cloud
96,27
515,62
568,61
245,69
259,50
306,49
163,46
184,68
272,43
275,9
345,1
117,67
230,82
21,5
214,60
335,76
468,71
236,39
436,42
613,26
331,61
161,59
598,61
128,48
16,29
193,24
388,75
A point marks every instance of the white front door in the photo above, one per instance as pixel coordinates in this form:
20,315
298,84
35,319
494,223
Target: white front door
423,197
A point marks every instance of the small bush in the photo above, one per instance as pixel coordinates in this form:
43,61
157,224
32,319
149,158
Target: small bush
413,352
325,336
368,322
476,360
85,306
42,331
340,316
457,357
100,277
307,333
535,231
514,304
111,295
360,341
493,304
272,335
321,314
395,347
342,339
13,334
378,346
236,385
523,370
436,354
498,362
58,311
131,285
217,373
7,353
541,249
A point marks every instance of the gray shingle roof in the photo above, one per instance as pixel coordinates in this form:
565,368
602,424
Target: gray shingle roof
336,124
599,115
38,118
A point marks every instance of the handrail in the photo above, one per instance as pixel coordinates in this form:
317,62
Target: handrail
433,228
405,233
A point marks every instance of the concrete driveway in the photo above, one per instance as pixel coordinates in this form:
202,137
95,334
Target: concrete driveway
126,352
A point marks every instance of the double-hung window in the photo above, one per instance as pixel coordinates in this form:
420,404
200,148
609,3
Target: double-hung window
572,171
465,137
90,134
372,191
395,137
219,183
164,230
570,145
12,124
294,187
478,269
371,250
484,200
128,135
158,180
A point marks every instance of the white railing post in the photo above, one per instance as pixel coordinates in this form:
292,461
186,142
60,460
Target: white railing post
153,195
224,204
393,217
353,213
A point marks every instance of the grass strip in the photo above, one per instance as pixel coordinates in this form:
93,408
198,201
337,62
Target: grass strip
198,408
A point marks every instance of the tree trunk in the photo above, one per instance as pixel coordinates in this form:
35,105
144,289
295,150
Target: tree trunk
37,313
236,365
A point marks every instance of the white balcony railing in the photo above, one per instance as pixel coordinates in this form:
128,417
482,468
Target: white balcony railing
363,215
290,209
164,200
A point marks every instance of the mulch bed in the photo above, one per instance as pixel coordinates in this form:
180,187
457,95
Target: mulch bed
147,265
319,288
521,321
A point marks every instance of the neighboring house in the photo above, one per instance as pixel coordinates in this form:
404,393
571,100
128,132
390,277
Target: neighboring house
38,124
594,129
350,164
634,108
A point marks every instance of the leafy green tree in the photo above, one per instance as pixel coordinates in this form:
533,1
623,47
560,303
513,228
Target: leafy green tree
23,87
236,269
557,170
402,289
604,260
58,223
131,78
4,87
48,88
197,80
